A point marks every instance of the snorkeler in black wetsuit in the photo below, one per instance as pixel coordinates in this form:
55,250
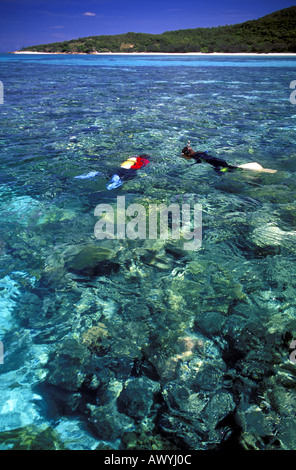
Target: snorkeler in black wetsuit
218,163
199,157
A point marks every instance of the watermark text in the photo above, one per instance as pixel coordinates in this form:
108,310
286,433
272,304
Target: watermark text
293,353
293,94
1,353
156,221
1,93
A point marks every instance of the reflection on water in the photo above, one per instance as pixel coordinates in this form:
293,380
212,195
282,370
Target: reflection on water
140,344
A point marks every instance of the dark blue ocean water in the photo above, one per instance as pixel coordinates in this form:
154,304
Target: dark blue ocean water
141,344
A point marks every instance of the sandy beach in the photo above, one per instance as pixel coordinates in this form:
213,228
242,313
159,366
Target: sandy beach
272,54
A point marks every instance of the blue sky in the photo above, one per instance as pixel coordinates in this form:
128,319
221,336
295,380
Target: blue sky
31,22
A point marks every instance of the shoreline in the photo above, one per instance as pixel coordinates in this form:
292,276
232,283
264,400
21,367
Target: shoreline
272,54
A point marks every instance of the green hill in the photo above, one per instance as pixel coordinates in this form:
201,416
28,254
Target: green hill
272,33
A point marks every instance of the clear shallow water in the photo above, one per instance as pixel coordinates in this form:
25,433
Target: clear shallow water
200,340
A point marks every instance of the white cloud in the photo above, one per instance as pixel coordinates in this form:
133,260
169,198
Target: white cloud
59,36
89,13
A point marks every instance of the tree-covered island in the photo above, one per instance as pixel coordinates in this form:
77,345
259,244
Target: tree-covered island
272,33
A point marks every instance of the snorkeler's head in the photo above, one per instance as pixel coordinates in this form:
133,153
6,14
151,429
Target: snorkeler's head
187,152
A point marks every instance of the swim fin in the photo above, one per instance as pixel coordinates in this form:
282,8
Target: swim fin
91,174
115,182
256,167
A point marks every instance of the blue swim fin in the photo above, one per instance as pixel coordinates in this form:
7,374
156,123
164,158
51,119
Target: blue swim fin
115,182
91,174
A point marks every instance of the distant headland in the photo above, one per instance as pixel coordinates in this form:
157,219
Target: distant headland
273,33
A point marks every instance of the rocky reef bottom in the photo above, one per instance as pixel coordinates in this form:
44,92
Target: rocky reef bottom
142,346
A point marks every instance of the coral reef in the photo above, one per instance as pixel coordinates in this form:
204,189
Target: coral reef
140,344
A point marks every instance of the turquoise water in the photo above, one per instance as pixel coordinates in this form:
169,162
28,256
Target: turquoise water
141,344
